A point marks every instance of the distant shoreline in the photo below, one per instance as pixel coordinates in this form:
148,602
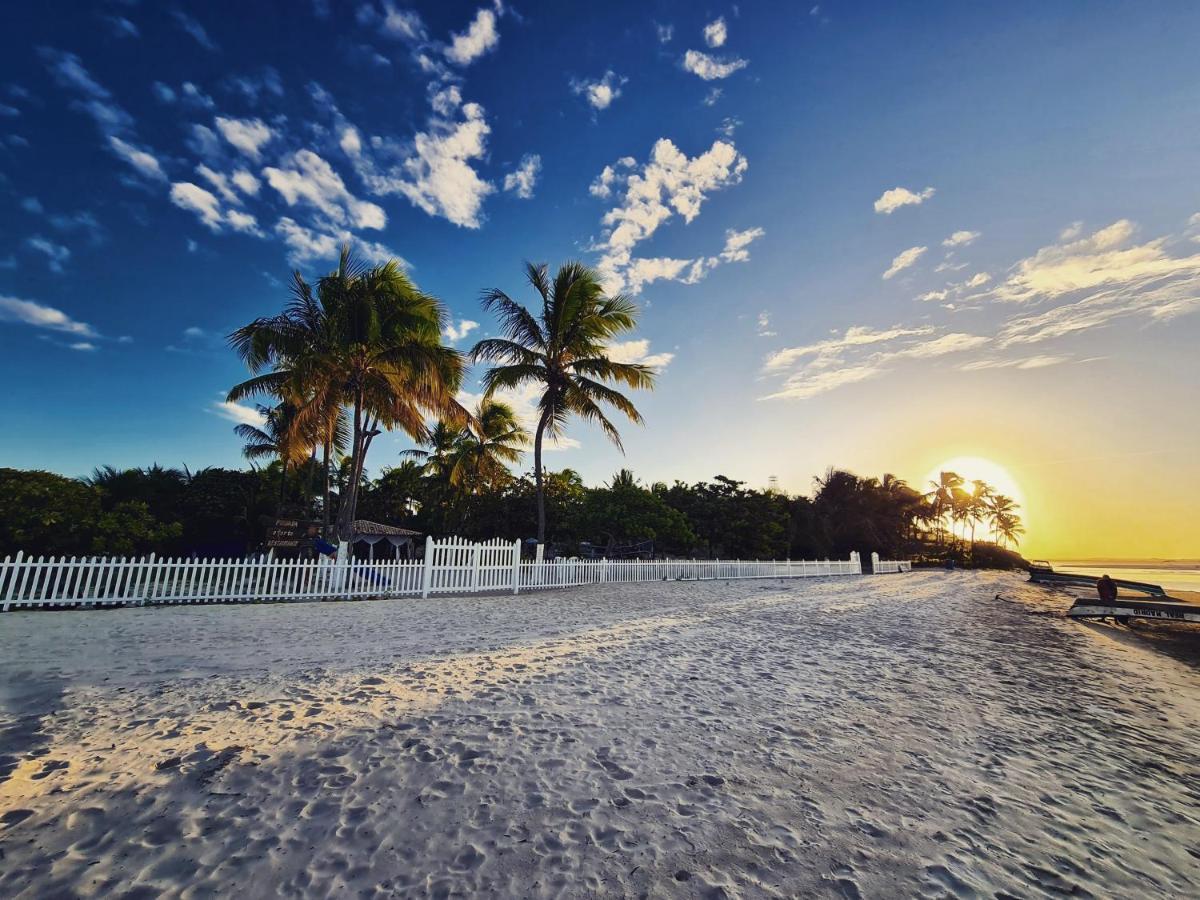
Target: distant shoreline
1092,562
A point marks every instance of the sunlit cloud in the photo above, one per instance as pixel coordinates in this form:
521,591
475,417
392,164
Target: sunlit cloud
904,260
891,200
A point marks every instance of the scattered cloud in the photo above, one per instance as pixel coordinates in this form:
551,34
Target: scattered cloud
637,350
715,33
599,93
669,184
435,171
309,179
255,86
307,244
860,353
711,68
1025,362
143,161
522,180
56,254
904,260
664,33
764,325
737,242
247,135
456,333
38,315
195,29
92,98
121,27
958,239
480,37
207,206
891,200
239,413
713,95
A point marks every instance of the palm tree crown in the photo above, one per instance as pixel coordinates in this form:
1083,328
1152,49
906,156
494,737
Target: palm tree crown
368,340
565,351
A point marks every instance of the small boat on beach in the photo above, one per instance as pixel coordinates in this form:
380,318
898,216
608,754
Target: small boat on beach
1041,572
1124,610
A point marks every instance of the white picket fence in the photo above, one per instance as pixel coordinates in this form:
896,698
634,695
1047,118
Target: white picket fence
451,566
889,566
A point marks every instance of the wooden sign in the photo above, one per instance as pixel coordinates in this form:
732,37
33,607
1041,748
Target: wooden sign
288,534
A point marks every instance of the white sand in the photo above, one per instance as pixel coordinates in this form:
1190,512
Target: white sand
889,736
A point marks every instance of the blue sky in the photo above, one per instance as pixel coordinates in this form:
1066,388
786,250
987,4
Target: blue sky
863,234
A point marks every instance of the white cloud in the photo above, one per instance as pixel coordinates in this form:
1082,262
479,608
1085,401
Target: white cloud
122,27
715,33
207,207
711,68
669,183
435,172
857,355
220,182
247,135
56,254
94,99
904,260
29,312
456,333
195,29
1025,362
245,182
664,32
310,179
959,238
713,95
85,346
934,296
239,413
350,141
254,87
306,244
764,325
522,180
737,242
602,185
977,280
637,350
601,92
480,37
891,200
399,24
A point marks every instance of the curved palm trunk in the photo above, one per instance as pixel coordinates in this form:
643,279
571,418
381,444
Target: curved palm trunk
537,477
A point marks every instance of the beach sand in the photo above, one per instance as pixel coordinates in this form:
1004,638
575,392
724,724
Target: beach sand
907,735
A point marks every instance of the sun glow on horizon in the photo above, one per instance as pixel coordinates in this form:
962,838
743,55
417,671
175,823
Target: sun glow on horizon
973,468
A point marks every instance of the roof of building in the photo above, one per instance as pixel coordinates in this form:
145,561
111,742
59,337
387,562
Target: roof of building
362,526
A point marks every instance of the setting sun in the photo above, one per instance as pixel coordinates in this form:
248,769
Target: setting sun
976,468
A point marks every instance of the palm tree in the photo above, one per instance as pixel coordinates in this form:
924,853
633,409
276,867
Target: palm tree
565,352
1009,527
978,505
442,457
942,497
999,506
367,340
493,437
278,437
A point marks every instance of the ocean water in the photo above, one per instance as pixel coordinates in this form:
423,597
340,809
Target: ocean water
1180,575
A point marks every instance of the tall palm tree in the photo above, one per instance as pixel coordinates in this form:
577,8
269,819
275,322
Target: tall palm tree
564,350
942,497
978,504
999,506
1009,527
367,339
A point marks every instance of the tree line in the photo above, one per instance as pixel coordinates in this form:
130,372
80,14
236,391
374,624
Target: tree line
362,352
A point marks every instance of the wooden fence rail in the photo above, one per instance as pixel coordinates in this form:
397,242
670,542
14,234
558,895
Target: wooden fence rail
450,566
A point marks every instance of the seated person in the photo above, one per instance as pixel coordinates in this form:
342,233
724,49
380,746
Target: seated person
1107,589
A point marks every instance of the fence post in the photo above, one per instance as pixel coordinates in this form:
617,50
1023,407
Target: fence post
874,562
12,577
427,571
475,566
517,566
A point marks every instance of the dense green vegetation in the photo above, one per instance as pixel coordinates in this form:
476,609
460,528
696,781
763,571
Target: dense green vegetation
221,512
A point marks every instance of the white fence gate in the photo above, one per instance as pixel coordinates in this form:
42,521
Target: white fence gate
450,566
